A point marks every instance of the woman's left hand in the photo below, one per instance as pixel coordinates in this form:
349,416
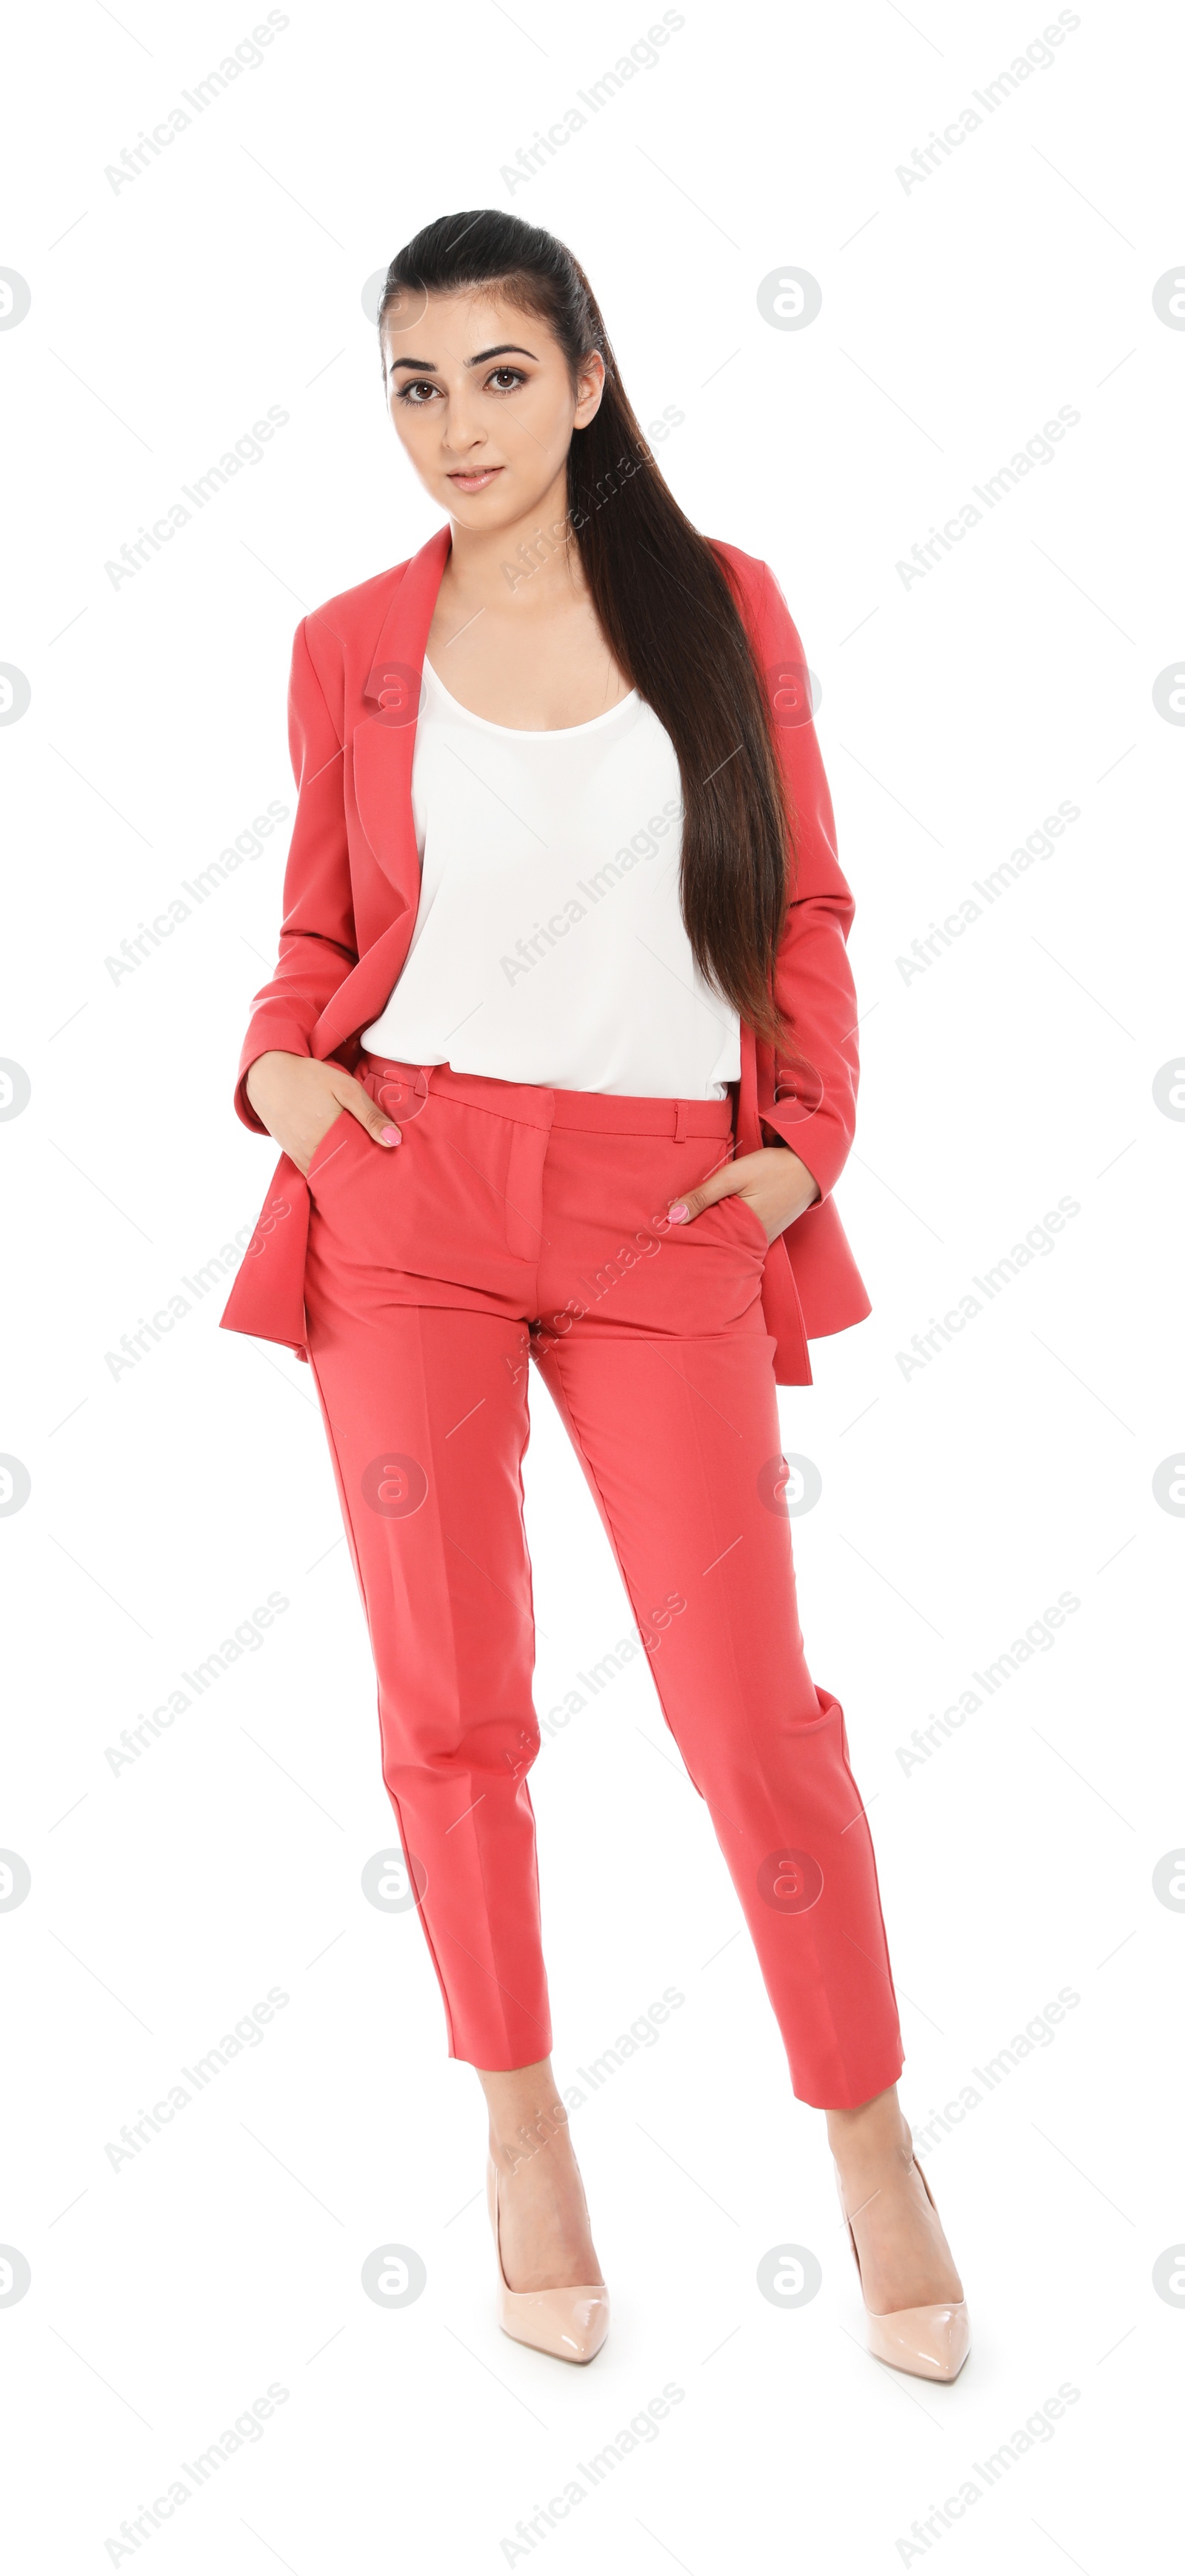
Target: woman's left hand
775,1182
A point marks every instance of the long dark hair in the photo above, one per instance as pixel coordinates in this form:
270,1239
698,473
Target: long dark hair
665,605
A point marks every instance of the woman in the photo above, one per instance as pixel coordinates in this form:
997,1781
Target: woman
560,1051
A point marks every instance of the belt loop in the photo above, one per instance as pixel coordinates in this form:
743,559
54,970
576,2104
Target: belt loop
680,1121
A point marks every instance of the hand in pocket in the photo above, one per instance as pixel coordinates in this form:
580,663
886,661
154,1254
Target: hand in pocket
298,1100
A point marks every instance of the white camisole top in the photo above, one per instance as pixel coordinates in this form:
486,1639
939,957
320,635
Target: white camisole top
549,946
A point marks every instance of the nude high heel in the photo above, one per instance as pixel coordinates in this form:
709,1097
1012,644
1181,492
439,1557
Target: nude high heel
930,2343
571,2324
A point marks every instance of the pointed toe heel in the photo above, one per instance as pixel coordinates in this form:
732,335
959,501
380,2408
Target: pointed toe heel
570,2324
929,2343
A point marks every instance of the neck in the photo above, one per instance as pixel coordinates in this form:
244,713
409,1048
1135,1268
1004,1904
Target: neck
528,563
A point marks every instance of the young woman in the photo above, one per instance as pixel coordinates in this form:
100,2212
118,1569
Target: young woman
560,1052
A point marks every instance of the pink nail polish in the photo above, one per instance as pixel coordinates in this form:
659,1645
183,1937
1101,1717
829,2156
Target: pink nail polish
678,1213
390,1136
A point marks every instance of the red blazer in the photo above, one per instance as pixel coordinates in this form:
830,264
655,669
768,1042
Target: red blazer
352,887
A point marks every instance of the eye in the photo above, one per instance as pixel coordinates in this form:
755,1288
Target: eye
516,375
409,393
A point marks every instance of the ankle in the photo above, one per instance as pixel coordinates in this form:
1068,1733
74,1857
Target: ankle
871,2141
513,2149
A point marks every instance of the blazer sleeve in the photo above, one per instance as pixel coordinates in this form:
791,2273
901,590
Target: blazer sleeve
814,1109
318,942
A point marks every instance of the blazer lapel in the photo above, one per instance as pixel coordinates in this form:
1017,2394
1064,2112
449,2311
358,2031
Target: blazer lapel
385,733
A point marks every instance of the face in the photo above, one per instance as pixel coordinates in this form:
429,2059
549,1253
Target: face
481,399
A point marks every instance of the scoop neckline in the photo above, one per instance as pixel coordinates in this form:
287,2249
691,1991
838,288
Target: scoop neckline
531,733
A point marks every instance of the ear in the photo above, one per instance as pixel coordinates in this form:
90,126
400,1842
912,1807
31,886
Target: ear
590,385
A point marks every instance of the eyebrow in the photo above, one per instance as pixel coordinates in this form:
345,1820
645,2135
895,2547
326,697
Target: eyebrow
505,349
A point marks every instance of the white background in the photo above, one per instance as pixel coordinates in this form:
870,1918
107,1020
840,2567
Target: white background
958,315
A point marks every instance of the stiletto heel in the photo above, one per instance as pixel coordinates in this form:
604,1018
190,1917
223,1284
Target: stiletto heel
930,2343
570,2324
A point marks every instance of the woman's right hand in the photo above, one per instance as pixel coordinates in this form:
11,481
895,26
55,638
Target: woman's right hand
298,1099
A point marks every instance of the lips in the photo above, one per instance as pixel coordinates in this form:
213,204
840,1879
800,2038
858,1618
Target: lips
473,482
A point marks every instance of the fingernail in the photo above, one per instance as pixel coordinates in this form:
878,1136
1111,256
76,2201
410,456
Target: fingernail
390,1136
678,1212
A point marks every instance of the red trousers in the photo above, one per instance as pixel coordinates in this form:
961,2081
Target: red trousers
512,1223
